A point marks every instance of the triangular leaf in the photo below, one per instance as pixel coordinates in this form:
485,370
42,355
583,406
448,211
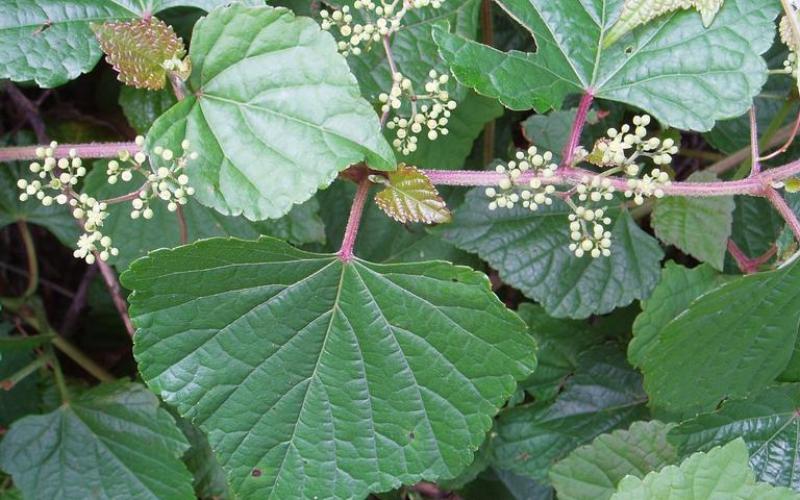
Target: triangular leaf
113,441
411,197
684,74
311,376
272,120
729,342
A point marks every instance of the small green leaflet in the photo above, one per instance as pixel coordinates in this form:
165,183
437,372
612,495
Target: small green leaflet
721,473
51,41
273,120
768,422
729,342
311,375
410,196
593,471
698,226
138,50
604,393
665,68
530,250
113,441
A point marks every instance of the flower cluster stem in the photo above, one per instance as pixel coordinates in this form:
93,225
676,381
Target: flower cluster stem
86,151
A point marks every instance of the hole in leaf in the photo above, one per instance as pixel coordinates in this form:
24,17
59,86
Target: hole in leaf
629,50
256,473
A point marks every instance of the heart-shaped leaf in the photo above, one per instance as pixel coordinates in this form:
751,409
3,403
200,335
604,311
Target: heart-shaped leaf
410,196
273,120
311,376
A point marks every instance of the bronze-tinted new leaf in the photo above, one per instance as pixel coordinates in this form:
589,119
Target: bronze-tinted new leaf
411,197
139,49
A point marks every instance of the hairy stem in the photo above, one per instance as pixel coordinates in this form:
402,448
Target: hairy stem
784,209
577,128
85,151
353,223
789,141
183,229
755,156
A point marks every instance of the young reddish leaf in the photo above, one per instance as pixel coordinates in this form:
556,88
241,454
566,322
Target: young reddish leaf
141,51
411,197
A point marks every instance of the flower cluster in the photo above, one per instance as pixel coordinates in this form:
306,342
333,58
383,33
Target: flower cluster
168,182
430,112
530,180
532,189
380,19
56,179
791,65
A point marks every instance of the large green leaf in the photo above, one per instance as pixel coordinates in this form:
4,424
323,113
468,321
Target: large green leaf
111,442
51,42
273,120
593,471
678,288
720,473
684,74
768,422
605,393
530,250
135,238
729,342
313,376
698,226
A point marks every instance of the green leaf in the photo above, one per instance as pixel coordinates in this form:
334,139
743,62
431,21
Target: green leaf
678,288
727,343
272,120
560,341
605,393
593,471
698,226
51,41
135,238
409,196
530,250
504,485
685,75
143,107
55,219
311,375
112,441
768,422
720,473
23,398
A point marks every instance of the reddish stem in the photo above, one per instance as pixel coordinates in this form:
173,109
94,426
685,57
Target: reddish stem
184,230
784,209
85,151
577,128
116,294
353,223
789,141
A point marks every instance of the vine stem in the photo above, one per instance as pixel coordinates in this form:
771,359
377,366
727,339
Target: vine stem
577,128
88,151
784,209
353,223
33,261
752,186
116,294
746,264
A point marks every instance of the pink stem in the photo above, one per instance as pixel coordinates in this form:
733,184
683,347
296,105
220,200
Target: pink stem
349,240
784,209
753,186
744,262
788,142
577,128
85,151
116,294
